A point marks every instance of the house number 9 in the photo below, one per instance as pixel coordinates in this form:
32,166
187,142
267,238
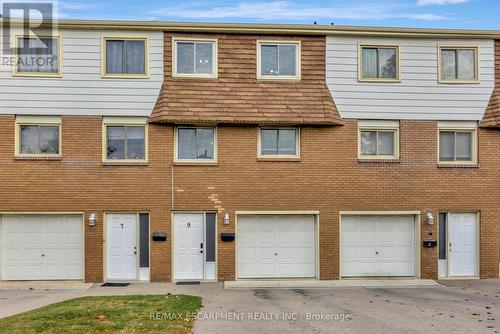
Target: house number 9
121,225
188,225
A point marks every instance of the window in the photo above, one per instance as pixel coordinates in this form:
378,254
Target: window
456,146
39,140
195,144
279,142
195,58
458,64
144,240
442,236
278,60
379,63
125,142
125,57
38,56
378,139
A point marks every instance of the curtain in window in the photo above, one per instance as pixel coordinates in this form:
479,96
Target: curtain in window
115,57
269,59
204,143
49,139
185,57
287,142
463,146
369,64
136,142
287,60
466,63
385,143
446,146
135,57
203,60
29,139
38,55
186,143
448,64
368,143
269,142
116,142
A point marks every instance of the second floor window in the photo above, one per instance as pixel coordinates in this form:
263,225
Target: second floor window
39,140
125,57
195,144
279,142
197,58
38,56
278,60
379,63
458,64
125,142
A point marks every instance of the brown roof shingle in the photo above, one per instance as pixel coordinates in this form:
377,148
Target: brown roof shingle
236,96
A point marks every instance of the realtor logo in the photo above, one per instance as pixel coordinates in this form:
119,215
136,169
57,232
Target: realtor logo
22,26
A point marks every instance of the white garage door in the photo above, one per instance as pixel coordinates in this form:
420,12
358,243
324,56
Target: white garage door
276,246
42,247
377,246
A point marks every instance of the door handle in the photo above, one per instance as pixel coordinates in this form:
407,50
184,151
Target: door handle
43,255
376,253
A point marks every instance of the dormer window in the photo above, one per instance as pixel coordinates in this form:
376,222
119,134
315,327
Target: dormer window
278,60
195,58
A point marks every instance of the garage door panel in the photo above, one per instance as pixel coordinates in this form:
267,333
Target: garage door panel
41,247
383,246
284,246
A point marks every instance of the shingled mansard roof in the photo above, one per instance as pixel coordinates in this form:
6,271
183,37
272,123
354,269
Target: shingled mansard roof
237,97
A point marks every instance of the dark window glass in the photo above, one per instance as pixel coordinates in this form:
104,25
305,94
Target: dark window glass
144,240
38,55
210,237
379,63
126,142
196,143
39,139
442,236
278,142
125,57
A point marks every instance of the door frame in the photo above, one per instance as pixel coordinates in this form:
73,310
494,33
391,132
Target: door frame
137,239
478,239
51,213
172,244
313,213
418,236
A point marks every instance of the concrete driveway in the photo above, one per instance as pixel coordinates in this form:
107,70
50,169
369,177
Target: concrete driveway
460,307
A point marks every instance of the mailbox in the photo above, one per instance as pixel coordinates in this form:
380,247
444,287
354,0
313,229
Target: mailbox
227,236
159,236
430,243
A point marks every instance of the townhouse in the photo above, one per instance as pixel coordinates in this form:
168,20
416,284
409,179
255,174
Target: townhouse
175,151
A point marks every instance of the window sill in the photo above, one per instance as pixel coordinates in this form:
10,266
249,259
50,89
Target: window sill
394,161
35,158
124,163
196,163
458,165
277,159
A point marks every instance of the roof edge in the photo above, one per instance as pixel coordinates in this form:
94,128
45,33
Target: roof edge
297,29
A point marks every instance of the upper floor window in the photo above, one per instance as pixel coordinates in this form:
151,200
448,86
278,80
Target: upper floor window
38,56
378,63
125,140
195,144
279,142
195,58
125,57
278,60
458,64
378,139
457,142
38,136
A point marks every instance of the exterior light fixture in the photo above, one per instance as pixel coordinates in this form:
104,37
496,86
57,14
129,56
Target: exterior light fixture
430,218
92,219
226,218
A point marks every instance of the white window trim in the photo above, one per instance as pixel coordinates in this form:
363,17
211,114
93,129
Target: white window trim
200,161
123,122
144,75
41,121
213,75
458,47
298,62
57,74
360,63
474,143
394,129
278,156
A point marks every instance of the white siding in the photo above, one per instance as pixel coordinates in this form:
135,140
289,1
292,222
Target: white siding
81,90
418,95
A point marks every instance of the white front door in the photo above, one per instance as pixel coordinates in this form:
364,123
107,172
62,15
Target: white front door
377,245
276,246
41,247
462,244
188,246
121,246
